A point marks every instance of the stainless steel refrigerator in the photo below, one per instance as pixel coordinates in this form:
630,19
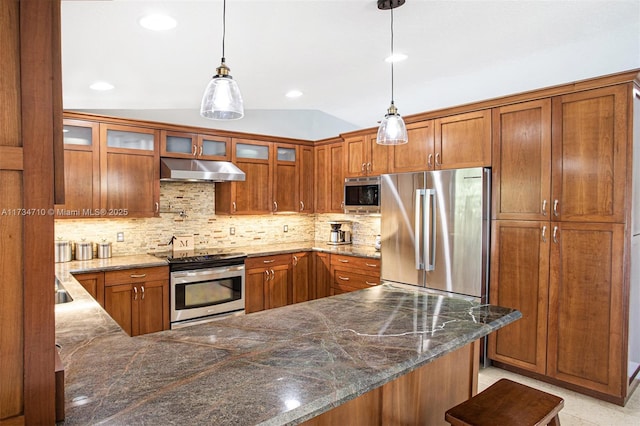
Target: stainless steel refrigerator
435,230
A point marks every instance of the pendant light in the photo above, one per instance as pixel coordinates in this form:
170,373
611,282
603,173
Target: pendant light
222,99
392,130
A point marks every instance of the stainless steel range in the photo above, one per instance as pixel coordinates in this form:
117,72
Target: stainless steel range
205,284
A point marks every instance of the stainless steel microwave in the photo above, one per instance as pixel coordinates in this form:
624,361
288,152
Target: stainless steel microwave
362,195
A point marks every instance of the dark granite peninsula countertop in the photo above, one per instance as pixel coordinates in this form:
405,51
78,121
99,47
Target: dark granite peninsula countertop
280,366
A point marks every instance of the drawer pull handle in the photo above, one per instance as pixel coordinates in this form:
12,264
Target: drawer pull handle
343,278
138,275
268,261
368,283
373,265
343,260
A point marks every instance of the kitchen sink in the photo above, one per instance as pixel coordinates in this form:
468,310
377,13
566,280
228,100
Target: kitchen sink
62,295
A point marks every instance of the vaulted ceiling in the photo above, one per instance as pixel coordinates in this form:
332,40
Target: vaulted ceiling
333,52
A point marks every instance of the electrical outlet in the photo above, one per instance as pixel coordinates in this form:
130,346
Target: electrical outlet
286,228
232,231
120,237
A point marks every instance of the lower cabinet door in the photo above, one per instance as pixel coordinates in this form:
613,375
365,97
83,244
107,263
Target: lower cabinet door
152,307
586,339
520,280
276,289
118,304
254,290
301,263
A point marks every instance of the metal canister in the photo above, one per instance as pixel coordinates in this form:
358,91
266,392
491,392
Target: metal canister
62,251
84,250
104,249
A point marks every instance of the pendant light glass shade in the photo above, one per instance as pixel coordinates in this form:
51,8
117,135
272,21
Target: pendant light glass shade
222,99
392,130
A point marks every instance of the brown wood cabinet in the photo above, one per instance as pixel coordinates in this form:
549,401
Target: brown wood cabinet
522,159
418,154
93,282
322,267
268,281
302,285
191,145
520,279
364,157
278,176
138,299
306,178
129,171
81,169
329,178
350,273
463,140
561,164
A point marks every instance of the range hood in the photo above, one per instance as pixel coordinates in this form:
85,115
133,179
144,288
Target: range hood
183,169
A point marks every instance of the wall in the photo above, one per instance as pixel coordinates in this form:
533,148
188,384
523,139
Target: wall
196,200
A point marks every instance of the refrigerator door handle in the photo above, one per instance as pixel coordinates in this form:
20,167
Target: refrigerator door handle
429,227
418,225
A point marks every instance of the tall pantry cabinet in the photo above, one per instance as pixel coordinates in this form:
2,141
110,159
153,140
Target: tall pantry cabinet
561,238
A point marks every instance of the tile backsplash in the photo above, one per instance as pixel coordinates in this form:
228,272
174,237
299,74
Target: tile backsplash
188,208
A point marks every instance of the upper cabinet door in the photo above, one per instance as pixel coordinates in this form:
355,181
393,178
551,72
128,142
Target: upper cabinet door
81,169
130,169
254,195
306,174
522,161
416,155
286,185
589,155
463,140
378,162
211,147
356,156
178,144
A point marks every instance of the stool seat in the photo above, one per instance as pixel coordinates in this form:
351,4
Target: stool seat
507,403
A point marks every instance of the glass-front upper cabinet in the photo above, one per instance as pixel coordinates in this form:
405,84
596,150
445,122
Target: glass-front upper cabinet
253,151
190,145
125,137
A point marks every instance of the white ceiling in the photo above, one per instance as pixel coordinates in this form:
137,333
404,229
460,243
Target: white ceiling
333,51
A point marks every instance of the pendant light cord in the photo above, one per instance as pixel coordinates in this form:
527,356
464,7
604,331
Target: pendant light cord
224,26
392,58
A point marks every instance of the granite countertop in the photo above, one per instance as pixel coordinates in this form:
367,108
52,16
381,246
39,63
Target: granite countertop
280,366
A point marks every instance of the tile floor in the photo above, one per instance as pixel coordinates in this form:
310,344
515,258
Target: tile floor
579,410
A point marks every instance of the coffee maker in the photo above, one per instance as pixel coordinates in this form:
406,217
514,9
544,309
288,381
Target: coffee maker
337,235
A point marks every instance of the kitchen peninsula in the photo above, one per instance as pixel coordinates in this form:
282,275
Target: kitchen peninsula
281,366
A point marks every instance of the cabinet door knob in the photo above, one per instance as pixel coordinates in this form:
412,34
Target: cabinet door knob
295,260
438,159
273,275
157,205
275,206
544,234
369,167
142,291
233,205
430,161
362,166
301,205
195,150
266,273
135,293
544,207
555,207
555,234
200,152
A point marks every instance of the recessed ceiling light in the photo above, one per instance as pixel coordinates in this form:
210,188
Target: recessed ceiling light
157,22
293,94
397,57
101,86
